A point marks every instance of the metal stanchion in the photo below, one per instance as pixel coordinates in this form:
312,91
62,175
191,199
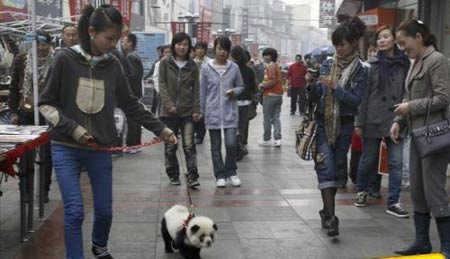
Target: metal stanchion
42,167
23,210
30,175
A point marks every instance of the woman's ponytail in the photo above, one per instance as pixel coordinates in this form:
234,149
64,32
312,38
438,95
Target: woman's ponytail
83,28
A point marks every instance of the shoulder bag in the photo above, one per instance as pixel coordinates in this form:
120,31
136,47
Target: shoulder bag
432,138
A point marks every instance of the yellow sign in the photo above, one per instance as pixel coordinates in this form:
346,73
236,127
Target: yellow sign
428,256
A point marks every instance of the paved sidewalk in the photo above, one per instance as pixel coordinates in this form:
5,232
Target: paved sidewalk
273,215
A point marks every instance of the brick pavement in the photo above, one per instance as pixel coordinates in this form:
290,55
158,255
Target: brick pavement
272,215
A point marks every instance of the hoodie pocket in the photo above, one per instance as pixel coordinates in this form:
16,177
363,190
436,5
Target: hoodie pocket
90,95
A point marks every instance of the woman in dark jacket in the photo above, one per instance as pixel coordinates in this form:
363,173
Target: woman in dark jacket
180,108
340,93
244,99
385,88
428,79
84,85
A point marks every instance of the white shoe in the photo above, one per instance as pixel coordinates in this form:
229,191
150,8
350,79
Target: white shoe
277,143
235,181
266,143
133,151
221,183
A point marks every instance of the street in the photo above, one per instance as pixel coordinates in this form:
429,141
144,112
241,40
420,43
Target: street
274,214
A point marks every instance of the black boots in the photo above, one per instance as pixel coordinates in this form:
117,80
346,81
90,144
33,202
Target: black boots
330,223
421,243
101,252
324,218
333,229
443,226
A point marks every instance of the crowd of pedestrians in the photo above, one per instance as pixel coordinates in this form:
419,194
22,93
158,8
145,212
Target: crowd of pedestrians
355,102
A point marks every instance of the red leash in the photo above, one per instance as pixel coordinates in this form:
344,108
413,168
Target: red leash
152,142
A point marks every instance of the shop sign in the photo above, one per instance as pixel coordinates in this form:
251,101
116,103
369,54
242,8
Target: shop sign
369,20
326,14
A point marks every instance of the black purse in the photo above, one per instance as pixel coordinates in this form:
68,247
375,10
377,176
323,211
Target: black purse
432,138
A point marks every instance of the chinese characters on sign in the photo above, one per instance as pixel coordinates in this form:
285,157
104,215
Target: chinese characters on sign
124,7
203,31
326,14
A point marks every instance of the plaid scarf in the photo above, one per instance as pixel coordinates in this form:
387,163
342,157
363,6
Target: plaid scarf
43,65
340,72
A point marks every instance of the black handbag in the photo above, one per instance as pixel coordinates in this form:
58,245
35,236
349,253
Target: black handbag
432,138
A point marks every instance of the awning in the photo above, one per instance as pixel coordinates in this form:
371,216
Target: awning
349,7
21,25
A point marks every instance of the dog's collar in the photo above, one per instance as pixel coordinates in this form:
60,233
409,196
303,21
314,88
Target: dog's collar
187,220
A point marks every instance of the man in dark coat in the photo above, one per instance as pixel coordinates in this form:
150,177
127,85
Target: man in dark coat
134,72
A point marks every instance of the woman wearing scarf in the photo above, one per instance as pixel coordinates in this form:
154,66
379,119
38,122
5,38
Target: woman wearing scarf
385,83
21,101
340,93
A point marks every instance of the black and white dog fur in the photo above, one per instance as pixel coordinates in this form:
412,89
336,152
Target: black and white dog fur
185,233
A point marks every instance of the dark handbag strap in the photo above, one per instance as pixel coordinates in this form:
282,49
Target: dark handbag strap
427,118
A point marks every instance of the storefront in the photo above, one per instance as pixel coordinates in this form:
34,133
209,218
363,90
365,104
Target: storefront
433,13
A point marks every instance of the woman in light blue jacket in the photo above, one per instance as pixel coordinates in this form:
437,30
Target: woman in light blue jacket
220,83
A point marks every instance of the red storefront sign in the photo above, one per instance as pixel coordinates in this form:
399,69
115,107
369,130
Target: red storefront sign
76,7
178,27
203,31
124,7
19,6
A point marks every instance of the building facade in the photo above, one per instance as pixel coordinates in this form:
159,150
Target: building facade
433,13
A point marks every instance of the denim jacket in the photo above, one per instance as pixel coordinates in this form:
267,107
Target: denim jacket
350,95
219,110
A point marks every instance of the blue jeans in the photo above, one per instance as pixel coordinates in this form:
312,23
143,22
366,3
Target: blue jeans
185,125
227,169
271,112
331,160
67,162
369,160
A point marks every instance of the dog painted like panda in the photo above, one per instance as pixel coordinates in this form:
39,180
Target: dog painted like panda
187,234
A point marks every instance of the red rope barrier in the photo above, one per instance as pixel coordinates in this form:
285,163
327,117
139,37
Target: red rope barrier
10,157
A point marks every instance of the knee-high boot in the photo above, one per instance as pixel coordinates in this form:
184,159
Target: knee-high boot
443,226
421,244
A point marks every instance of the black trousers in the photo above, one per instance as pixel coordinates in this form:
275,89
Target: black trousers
298,96
134,133
243,124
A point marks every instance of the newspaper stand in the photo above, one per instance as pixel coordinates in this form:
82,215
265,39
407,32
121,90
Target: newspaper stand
12,137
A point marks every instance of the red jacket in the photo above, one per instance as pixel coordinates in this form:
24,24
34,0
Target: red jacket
296,75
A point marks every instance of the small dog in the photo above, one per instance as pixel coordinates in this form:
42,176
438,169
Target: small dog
187,233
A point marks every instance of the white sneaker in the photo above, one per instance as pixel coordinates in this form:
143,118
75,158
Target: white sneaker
235,181
221,183
266,143
277,143
133,151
